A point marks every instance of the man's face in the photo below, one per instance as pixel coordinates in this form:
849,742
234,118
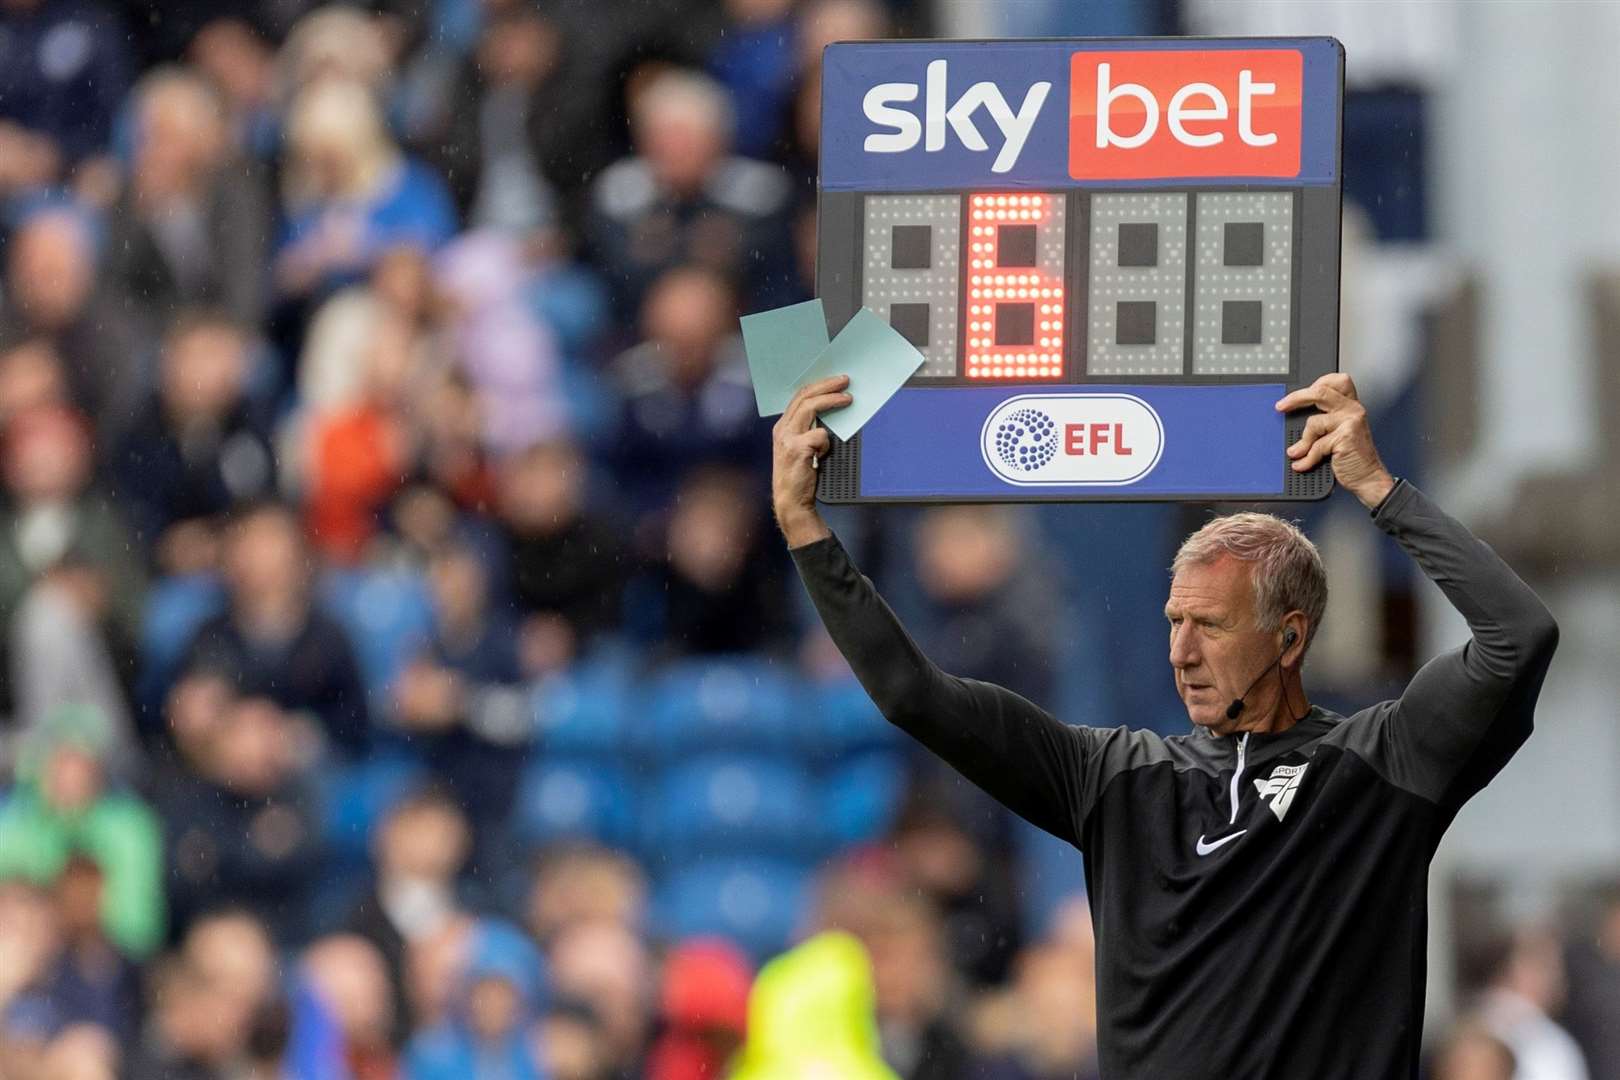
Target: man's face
1215,647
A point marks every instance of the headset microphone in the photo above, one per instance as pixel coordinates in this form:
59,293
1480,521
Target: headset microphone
1238,704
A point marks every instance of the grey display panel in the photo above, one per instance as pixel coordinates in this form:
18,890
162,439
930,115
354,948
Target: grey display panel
911,276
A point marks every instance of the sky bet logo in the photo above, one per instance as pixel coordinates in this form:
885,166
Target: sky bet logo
1072,439
1132,115
940,113
1214,112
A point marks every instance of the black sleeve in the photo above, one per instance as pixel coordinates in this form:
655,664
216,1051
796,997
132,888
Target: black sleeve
1467,710
1016,751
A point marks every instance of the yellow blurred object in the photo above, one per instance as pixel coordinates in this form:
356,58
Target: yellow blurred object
810,1016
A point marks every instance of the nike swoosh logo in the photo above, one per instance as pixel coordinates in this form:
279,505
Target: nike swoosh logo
1205,849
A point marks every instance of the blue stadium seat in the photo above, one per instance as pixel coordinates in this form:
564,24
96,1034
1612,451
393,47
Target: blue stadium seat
175,608
574,799
582,711
389,617
733,803
737,703
839,719
358,796
859,799
757,903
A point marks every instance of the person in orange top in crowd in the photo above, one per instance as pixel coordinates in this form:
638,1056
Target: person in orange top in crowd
361,452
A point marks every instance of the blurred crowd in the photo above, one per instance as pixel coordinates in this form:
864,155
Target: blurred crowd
400,672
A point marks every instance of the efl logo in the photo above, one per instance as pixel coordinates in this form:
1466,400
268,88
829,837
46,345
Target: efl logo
1182,113
1102,440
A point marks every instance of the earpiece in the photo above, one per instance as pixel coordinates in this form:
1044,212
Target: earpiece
1289,637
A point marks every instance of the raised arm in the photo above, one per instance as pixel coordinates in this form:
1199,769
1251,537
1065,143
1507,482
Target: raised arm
1017,752
1467,710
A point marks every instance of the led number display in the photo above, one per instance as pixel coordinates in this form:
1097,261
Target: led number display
1243,307
912,279
1015,287
1136,315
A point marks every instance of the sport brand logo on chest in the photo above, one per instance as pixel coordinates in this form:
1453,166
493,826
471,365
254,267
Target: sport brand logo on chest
1280,787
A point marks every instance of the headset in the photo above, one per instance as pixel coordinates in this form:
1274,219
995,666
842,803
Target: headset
1238,704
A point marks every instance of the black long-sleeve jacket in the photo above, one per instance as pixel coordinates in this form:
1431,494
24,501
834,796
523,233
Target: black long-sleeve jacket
1260,900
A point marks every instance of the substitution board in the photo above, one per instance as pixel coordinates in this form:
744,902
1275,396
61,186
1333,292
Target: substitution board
1113,255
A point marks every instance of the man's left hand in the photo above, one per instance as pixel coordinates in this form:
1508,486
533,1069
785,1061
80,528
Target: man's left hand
1339,431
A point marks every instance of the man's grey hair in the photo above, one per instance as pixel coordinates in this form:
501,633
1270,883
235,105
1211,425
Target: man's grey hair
684,94
1285,568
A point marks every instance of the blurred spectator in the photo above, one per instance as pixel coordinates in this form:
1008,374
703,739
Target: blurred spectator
30,945
64,67
349,193
754,61
570,298
822,22
272,640
92,984
508,354
810,1015
386,417
499,138
703,1004
1049,1016
359,453
240,818
458,701
567,567
503,990
1472,1053
210,1000
82,1052
433,965
399,292
953,863
452,457
192,226
1594,989
197,449
572,1043
916,993
581,885
62,808
31,375
605,964
992,607
348,977
335,43
71,580
684,197
419,851
50,297
1526,989
231,951
687,396
232,55
719,589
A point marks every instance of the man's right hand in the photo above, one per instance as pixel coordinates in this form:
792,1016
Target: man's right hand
796,444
